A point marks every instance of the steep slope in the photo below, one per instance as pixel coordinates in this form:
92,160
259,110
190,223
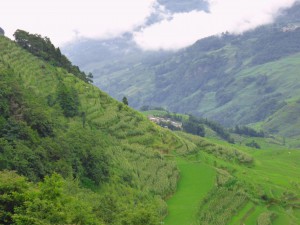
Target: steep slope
52,121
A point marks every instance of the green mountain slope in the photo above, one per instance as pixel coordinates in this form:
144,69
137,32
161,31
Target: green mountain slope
216,77
233,79
52,121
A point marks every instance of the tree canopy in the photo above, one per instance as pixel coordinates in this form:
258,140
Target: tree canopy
43,48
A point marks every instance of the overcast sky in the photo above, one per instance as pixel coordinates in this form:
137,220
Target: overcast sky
66,20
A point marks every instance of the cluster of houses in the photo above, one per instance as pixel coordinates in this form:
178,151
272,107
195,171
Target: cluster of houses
165,121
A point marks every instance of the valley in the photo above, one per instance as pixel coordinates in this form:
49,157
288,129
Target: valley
246,79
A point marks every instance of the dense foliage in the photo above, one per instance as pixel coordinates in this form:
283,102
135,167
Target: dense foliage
218,128
53,201
253,144
29,143
248,131
193,126
44,49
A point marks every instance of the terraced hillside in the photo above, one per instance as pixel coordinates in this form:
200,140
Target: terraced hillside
52,122
250,186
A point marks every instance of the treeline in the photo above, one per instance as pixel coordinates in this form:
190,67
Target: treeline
244,130
218,128
194,125
43,48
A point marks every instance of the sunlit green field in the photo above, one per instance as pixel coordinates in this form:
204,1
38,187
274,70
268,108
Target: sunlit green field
196,179
214,190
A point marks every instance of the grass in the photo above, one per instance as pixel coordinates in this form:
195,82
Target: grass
274,173
243,214
252,218
196,180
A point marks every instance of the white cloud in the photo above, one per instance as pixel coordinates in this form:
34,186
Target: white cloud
62,20
184,29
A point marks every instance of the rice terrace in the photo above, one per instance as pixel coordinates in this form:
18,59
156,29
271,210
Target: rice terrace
213,191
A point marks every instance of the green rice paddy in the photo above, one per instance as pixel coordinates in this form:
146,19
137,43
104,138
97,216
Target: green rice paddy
275,174
197,179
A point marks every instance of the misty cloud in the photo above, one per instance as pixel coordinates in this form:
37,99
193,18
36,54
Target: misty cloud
154,26
63,20
183,29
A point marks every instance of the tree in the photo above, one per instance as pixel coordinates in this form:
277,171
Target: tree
253,144
52,202
68,100
12,189
44,49
193,127
90,77
125,100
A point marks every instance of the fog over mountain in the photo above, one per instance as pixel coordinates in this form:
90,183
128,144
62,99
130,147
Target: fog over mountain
155,24
184,28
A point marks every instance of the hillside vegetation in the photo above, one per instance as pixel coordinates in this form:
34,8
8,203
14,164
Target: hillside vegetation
70,154
76,149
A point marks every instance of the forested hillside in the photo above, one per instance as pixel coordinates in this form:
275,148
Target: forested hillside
96,160
233,79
